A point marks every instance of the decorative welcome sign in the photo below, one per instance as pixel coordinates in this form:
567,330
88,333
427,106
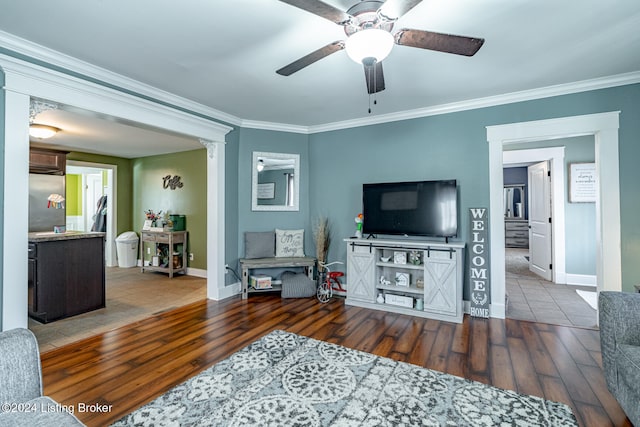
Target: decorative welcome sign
479,264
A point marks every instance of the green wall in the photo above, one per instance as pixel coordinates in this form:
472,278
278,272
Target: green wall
124,183
73,191
189,200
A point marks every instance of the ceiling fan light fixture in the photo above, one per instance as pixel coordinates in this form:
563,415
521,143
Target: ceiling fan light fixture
369,43
42,131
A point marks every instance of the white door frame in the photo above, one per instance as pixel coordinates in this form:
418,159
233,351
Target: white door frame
112,206
24,80
604,127
556,157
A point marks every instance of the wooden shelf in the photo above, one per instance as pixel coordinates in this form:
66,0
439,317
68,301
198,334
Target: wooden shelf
413,289
408,266
171,239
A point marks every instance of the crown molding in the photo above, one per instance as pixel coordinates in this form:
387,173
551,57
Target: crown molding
491,101
279,127
470,104
103,76
39,82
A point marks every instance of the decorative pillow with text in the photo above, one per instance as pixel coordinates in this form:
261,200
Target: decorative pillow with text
289,243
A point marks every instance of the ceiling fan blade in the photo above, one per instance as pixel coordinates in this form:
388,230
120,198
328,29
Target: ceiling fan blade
321,9
374,76
449,43
394,9
309,59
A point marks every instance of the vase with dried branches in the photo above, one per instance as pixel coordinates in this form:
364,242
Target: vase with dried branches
322,239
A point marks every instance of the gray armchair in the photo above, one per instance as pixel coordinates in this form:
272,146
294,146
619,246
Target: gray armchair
619,314
21,399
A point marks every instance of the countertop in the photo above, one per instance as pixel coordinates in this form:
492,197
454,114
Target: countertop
50,236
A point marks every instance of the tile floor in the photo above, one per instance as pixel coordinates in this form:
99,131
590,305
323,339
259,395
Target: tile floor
131,296
532,298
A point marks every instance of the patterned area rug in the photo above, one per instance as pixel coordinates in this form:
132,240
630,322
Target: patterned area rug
287,379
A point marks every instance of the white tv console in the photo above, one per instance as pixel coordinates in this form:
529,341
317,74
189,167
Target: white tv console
371,263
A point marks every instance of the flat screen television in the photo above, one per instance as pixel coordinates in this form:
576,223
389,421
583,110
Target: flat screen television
422,208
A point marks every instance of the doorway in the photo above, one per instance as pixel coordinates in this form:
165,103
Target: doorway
94,181
555,158
604,128
23,81
532,295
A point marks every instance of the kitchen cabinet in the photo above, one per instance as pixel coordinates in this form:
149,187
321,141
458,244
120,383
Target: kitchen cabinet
66,275
47,161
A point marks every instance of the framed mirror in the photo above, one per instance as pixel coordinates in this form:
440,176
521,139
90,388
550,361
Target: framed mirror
514,202
275,183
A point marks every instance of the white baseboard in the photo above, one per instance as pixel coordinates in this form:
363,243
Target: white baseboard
229,291
581,279
197,272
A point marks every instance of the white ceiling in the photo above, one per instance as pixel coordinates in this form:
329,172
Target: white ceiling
223,55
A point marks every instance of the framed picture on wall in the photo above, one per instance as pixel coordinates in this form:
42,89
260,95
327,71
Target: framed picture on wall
582,182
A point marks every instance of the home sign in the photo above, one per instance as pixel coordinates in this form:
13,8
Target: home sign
479,264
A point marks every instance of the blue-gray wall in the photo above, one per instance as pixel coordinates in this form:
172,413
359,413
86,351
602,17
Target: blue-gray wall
251,140
454,146
231,222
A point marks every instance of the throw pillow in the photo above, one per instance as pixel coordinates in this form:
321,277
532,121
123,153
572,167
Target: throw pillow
259,244
297,285
289,243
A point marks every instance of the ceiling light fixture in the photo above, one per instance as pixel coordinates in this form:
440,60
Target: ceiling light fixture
369,43
42,131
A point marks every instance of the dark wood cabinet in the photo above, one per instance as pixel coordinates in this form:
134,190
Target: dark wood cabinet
66,277
47,161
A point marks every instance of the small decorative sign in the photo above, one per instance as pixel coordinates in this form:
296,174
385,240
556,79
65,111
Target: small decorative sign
582,183
479,264
399,257
402,279
172,182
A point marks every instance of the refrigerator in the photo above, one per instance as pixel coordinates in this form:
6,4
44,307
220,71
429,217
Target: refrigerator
43,213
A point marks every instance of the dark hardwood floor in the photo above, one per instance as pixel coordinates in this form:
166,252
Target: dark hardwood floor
130,366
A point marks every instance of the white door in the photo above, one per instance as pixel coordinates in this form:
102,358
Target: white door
92,195
540,220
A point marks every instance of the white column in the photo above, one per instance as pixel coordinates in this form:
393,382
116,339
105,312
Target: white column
215,220
16,211
609,261
496,230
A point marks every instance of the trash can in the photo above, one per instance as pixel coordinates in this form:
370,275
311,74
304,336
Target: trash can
127,248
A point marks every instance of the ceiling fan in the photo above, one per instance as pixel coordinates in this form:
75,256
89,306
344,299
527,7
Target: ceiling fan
368,25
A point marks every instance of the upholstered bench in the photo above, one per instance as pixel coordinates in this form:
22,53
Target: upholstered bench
278,249
308,263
